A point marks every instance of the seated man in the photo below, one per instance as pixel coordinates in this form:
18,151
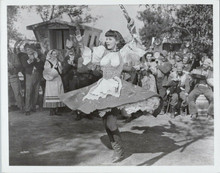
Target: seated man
187,66
179,87
178,61
204,83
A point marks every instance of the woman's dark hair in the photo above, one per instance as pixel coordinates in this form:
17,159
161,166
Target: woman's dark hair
117,36
28,46
53,50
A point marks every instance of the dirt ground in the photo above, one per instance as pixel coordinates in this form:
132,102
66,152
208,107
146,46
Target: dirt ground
41,139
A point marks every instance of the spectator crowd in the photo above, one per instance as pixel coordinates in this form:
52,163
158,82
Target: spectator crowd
37,78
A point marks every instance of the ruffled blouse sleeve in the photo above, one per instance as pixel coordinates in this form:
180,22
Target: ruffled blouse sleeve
132,52
94,56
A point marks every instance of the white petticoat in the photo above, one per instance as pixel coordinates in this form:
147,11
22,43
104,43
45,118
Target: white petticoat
105,87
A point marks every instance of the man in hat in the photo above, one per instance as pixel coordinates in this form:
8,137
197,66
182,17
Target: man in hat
164,68
32,67
178,57
180,82
204,85
187,66
14,66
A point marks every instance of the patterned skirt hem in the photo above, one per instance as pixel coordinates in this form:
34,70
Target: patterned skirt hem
53,104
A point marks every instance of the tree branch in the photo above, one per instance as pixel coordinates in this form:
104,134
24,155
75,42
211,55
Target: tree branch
51,16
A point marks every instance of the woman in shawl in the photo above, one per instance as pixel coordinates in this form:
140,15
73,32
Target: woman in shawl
54,85
110,93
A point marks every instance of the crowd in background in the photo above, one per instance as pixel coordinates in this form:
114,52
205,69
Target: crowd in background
179,79
37,78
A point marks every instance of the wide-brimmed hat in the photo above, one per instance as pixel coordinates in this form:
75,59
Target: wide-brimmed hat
179,54
208,62
163,53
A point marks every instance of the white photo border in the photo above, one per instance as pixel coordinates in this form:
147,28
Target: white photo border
155,169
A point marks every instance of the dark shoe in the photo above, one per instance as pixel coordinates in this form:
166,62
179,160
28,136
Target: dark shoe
78,117
58,114
73,112
118,150
13,108
51,112
194,116
89,116
183,111
128,120
33,110
27,113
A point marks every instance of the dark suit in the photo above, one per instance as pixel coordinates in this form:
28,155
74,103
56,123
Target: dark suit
33,75
69,74
163,73
15,90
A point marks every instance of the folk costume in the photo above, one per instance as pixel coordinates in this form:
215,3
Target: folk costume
54,85
111,93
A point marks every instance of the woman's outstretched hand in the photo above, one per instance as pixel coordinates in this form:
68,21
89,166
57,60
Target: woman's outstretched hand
79,37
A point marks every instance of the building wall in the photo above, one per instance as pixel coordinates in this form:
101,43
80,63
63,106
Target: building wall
42,33
42,36
89,37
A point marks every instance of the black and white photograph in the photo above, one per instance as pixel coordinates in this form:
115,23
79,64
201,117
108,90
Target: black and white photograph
109,85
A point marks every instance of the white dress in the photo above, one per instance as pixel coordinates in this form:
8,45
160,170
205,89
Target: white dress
54,87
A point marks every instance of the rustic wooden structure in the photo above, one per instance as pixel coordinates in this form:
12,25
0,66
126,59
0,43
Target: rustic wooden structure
53,34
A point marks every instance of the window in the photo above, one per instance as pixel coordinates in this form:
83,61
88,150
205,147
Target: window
89,40
95,41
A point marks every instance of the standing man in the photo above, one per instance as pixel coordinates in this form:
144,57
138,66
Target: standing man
14,66
204,85
33,67
164,68
70,81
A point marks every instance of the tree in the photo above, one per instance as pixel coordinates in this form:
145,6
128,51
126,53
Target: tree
13,13
77,13
155,19
198,20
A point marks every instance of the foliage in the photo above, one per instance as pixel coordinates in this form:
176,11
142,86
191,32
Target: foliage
77,13
155,19
12,16
198,20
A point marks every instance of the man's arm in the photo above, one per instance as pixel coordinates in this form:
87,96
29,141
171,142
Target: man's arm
209,79
66,66
24,61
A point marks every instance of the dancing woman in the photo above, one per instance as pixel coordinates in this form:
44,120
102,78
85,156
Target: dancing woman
111,93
